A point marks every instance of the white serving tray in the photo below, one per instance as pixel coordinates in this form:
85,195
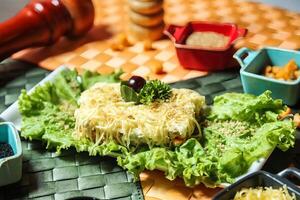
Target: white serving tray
11,114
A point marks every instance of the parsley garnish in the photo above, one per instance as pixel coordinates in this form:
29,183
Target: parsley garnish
152,91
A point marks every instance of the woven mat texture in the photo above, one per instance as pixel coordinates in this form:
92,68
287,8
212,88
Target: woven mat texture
48,176
268,26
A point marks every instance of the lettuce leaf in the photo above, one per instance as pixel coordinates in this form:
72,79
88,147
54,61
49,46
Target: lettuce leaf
239,129
89,78
246,107
206,163
47,112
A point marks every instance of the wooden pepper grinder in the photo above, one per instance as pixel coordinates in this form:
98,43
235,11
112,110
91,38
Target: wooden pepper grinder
43,22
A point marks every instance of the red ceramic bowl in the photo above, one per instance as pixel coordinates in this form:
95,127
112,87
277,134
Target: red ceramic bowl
199,58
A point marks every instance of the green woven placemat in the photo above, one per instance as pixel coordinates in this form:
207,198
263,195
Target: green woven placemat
47,175
213,84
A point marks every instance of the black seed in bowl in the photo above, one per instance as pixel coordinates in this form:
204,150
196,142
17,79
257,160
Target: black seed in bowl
5,150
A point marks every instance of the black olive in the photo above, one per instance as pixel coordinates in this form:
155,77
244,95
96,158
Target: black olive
136,83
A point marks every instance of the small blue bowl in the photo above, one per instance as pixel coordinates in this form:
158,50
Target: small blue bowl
253,64
11,166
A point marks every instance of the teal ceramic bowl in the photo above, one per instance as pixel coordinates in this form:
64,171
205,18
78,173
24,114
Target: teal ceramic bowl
253,64
11,166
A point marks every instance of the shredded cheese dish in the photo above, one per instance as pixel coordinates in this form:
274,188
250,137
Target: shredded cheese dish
266,193
103,116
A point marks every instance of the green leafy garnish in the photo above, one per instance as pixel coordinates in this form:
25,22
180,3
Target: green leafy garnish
128,94
89,78
153,90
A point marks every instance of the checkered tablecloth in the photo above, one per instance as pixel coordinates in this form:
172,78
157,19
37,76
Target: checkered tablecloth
268,26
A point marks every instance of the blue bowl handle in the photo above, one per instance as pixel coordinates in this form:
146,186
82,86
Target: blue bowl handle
244,56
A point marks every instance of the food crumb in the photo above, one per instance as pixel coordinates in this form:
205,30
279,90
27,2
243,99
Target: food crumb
148,45
288,72
285,113
155,66
116,47
297,120
120,41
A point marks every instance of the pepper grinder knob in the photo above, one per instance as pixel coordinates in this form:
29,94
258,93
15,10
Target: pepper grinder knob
43,22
